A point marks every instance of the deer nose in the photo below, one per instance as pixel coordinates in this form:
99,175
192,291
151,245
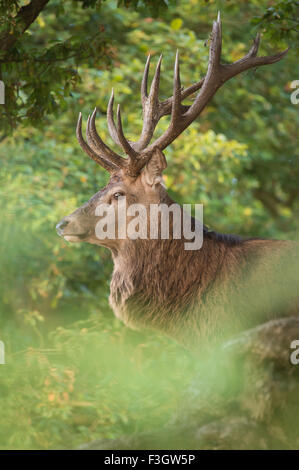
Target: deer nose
61,225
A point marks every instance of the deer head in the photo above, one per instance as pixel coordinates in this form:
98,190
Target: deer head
139,175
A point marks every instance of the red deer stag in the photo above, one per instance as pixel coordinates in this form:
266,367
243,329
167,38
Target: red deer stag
228,284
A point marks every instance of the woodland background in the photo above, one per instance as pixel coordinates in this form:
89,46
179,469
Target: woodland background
73,372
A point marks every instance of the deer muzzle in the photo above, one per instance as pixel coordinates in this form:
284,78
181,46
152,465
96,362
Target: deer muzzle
70,230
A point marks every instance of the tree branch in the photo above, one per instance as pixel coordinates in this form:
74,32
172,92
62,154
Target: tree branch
23,20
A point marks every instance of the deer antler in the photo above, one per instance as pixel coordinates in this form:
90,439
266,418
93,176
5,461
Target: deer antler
181,116
153,110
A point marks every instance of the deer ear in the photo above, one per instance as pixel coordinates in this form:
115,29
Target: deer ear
154,167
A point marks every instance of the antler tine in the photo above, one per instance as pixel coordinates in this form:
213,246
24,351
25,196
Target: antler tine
150,105
255,46
145,80
154,90
250,60
109,166
216,43
110,120
176,104
212,79
97,144
124,142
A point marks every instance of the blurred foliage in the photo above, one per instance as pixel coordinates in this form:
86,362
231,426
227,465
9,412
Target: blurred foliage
93,380
73,372
39,60
280,19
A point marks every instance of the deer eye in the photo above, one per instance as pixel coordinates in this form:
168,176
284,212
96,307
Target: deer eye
117,195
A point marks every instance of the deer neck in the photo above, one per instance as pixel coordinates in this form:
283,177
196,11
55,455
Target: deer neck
153,277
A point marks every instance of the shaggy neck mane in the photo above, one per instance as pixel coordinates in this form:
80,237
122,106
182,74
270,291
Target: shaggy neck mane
153,279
